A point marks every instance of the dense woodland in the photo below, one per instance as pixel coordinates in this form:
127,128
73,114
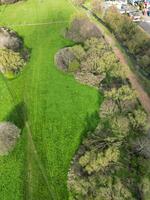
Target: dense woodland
113,162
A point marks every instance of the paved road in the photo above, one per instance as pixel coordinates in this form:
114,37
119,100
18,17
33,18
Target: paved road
145,26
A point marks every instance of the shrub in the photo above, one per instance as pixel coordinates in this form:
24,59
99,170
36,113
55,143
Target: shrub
9,134
10,61
73,66
78,52
81,29
9,39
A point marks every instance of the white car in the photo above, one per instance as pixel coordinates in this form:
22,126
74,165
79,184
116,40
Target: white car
135,16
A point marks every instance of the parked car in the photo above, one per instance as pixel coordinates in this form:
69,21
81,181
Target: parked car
134,2
135,16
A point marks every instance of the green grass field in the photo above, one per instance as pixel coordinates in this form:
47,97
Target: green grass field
59,110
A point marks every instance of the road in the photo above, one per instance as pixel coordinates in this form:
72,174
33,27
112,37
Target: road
145,25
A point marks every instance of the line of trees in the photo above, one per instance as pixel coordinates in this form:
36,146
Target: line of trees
109,164
131,36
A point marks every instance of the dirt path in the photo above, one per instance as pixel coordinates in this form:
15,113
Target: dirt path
37,24
142,95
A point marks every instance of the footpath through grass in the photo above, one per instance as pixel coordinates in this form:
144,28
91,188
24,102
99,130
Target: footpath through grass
59,110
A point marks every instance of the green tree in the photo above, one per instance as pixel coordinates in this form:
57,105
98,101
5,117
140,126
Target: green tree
109,65
120,126
101,60
96,45
130,35
108,109
93,161
138,119
123,94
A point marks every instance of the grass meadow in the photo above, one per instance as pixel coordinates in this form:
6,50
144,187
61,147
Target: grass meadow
52,109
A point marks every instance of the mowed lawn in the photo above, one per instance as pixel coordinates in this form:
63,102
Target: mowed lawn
59,110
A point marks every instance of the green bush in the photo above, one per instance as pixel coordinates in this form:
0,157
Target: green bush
10,62
78,52
74,66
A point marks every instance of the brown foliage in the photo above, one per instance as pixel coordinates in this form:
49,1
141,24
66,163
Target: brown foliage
10,40
81,29
9,134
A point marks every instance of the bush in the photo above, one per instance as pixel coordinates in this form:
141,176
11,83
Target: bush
78,52
73,66
81,29
10,61
9,134
9,39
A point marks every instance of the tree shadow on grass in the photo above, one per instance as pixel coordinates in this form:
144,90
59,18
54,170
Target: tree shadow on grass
18,115
92,120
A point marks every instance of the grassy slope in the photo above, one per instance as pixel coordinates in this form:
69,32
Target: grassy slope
59,109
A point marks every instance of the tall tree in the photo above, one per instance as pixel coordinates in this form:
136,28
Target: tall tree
123,94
